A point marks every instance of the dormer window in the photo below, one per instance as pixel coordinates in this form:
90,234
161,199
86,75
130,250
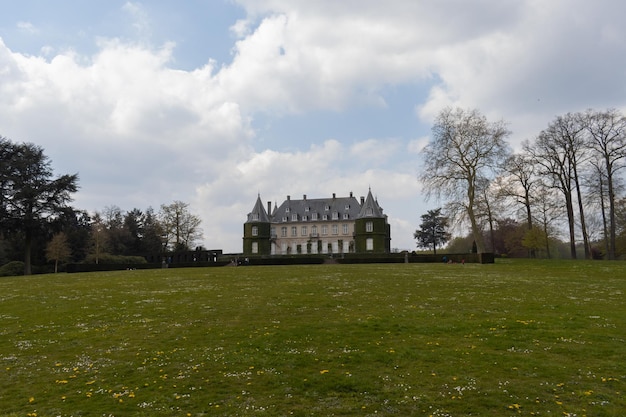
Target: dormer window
325,217
347,207
326,207
287,210
314,216
255,216
305,218
335,215
307,209
294,217
346,216
369,211
284,218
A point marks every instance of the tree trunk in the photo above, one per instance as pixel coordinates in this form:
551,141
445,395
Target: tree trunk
529,220
28,239
581,209
570,222
612,226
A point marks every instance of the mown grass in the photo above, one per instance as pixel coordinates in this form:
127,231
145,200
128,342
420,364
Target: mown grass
513,338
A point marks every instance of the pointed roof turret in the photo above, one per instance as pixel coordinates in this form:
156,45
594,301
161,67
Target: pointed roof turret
370,207
258,213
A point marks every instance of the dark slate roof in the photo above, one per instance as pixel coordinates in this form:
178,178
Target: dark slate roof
370,208
258,213
321,206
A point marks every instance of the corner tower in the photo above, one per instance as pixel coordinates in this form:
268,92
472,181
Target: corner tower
256,231
372,232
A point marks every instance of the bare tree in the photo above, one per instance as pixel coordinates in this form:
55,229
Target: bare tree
181,228
58,250
597,195
518,184
607,133
559,150
465,148
98,235
486,205
548,212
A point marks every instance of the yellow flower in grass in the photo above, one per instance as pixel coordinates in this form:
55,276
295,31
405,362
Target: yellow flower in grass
31,400
324,371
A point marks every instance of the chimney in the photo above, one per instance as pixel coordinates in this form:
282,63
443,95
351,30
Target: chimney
288,197
304,196
362,200
350,194
269,208
333,196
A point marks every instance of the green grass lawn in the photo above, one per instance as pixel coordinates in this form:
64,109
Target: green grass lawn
512,338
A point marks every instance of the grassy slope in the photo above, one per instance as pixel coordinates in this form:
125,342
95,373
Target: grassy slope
514,338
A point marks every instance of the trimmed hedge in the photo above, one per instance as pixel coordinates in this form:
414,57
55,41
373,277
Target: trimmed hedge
360,258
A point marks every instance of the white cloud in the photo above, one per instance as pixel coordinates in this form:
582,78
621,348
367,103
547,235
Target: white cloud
27,27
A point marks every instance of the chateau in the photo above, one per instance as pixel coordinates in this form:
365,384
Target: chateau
317,226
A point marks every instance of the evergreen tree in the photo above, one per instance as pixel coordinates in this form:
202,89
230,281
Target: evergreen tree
30,196
432,231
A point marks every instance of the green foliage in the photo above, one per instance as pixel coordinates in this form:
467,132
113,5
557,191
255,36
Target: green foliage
433,230
29,195
515,337
13,268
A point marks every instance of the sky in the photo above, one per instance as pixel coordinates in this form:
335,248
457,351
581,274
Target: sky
214,102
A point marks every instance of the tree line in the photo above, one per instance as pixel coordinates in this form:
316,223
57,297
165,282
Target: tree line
566,178
38,224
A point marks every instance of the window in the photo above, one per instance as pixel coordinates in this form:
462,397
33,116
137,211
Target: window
307,209
283,231
335,215
284,218
369,227
255,216
255,247
347,207
326,207
287,210
294,231
294,217
324,230
335,229
325,217
369,211
345,229
314,231
255,231
304,218
303,231
314,216
273,231
369,244
346,216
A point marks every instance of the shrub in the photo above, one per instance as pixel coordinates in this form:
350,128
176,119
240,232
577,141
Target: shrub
11,269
